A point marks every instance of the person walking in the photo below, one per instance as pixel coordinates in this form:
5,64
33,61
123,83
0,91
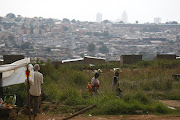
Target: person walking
35,89
116,84
95,83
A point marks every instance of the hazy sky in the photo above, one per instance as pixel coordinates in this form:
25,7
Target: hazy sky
86,10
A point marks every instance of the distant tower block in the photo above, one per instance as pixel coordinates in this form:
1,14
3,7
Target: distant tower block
157,20
99,17
125,17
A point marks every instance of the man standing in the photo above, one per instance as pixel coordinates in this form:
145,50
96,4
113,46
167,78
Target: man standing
35,89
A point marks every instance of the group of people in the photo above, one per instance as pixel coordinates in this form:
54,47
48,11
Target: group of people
93,86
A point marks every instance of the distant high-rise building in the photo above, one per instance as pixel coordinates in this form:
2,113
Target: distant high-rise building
157,20
98,17
125,17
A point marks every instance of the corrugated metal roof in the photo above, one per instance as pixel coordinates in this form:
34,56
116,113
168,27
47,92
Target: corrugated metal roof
94,57
72,60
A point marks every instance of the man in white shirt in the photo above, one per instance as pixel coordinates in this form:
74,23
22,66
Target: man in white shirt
35,89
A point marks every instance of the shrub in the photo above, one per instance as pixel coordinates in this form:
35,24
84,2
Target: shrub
160,108
71,96
142,98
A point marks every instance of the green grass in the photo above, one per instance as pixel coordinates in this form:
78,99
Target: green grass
142,85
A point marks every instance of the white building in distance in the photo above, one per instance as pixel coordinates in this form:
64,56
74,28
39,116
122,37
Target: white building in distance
157,20
124,17
98,17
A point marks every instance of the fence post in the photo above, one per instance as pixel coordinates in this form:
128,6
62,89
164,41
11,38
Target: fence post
1,88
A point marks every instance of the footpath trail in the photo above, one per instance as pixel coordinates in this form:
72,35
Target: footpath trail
120,117
170,103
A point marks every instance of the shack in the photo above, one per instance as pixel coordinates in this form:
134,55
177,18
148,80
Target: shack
130,59
94,60
10,74
85,60
165,57
73,61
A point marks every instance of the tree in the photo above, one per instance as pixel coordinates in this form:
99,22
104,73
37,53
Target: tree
40,32
103,49
31,29
105,33
91,47
50,21
23,26
48,49
121,22
106,21
11,37
177,37
97,34
73,21
25,45
65,28
89,33
100,43
10,15
65,20
17,19
42,26
19,16
1,19
174,22
91,22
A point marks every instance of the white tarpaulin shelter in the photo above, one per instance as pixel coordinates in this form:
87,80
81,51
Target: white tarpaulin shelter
15,73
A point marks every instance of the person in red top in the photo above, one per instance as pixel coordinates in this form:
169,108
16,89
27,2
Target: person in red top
95,83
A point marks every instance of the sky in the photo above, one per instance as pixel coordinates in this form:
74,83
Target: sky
85,10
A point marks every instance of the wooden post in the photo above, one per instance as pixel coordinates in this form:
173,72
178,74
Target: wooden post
80,112
28,87
1,88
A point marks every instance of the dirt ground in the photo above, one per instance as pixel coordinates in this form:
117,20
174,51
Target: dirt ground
174,104
121,117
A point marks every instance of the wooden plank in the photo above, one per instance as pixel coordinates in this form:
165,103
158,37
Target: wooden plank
80,112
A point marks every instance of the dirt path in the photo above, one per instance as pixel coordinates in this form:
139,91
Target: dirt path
121,117
171,103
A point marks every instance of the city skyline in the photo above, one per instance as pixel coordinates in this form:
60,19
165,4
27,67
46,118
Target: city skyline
84,10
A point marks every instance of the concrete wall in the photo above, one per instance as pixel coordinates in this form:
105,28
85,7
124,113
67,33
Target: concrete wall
93,61
130,59
165,56
113,62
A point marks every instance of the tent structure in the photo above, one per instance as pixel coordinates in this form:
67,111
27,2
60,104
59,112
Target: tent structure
16,73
